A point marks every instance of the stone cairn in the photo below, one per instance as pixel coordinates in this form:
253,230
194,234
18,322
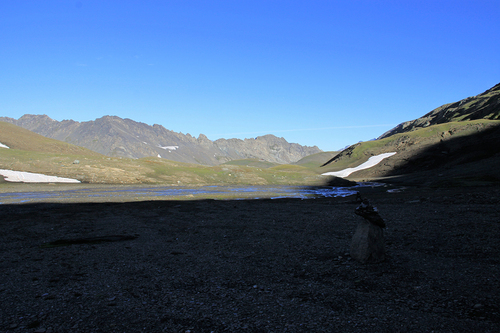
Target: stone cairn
368,244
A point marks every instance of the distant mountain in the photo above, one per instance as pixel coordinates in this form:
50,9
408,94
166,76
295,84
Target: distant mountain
457,142
117,137
26,151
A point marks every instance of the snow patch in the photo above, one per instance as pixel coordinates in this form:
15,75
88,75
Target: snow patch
372,161
3,146
28,177
159,156
169,147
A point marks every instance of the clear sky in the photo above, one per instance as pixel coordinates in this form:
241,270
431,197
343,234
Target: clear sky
325,73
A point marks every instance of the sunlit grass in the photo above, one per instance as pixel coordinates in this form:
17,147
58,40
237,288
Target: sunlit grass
361,152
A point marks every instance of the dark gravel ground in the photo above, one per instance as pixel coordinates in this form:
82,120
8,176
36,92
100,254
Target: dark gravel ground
252,266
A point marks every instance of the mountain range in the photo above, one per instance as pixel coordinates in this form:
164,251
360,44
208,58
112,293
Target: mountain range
117,137
457,143
26,151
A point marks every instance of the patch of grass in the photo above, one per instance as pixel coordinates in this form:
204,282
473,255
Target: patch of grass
256,163
314,161
288,168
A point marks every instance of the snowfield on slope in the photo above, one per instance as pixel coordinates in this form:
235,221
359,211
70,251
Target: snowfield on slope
3,146
28,177
374,160
169,147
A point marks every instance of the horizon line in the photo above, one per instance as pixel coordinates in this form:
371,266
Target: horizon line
305,129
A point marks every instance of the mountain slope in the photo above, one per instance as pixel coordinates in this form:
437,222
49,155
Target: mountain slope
16,137
455,141
483,106
117,137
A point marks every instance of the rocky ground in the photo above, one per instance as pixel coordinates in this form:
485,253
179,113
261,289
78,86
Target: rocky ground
252,266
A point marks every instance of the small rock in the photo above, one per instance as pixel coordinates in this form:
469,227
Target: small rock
478,306
370,213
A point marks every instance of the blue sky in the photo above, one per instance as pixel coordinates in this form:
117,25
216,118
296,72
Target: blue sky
325,73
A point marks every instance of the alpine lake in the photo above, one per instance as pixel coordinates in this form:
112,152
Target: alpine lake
20,193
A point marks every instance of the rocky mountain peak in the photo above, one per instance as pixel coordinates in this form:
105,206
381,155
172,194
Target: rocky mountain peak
202,138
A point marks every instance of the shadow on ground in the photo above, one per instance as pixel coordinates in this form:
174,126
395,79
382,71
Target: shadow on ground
254,265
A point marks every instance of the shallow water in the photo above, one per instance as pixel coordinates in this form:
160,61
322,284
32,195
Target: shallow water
122,193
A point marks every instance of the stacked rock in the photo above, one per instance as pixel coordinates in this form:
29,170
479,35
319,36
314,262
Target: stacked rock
368,245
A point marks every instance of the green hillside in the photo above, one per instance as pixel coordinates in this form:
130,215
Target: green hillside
252,162
31,152
455,148
314,161
17,137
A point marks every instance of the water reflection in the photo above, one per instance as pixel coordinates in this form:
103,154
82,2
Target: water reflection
134,193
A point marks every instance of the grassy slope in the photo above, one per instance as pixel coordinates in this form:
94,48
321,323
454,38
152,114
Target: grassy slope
34,153
17,137
314,161
407,141
252,162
